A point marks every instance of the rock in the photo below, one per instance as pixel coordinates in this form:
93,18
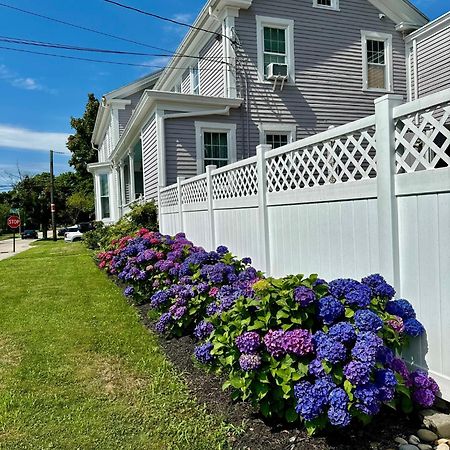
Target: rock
400,440
438,422
293,439
427,435
442,441
425,446
408,447
414,440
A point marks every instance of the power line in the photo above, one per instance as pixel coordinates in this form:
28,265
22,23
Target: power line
22,41
165,19
98,60
83,27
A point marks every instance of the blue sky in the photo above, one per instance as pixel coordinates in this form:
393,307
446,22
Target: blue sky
39,94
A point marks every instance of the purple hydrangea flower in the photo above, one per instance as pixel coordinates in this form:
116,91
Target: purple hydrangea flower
248,342
401,308
274,340
203,330
298,342
246,260
221,250
249,361
330,310
202,288
304,296
421,380
158,299
413,328
366,320
424,397
129,291
358,373
399,366
397,324
385,356
163,322
203,353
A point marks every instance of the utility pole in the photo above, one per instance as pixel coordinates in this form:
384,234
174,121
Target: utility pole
52,199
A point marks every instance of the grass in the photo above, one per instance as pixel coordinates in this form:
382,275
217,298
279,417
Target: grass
3,237
78,370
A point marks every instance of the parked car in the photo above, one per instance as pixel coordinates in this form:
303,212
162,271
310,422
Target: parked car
73,234
29,234
85,226
62,231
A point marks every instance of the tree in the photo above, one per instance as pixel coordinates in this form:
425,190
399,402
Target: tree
79,143
80,204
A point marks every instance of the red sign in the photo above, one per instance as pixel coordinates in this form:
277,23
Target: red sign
13,222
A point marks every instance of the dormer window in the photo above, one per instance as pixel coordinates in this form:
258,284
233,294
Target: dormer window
326,4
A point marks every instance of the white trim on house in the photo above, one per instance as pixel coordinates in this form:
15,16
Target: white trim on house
431,28
401,11
214,127
194,87
284,24
277,128
334,5
389,73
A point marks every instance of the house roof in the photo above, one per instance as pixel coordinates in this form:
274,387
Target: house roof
430,28
117,96
402,12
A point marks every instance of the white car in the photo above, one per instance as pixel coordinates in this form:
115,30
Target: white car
73,234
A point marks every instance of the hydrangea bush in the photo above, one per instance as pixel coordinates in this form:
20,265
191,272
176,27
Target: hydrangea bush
325,353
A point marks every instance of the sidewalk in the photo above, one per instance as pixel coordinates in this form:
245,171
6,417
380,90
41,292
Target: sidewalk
21,245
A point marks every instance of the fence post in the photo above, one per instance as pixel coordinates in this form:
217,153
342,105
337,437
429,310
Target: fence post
263,217
180,203
209,200
159,209
386,199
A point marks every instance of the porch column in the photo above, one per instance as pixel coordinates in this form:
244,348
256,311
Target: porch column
131,166
122,185
115,192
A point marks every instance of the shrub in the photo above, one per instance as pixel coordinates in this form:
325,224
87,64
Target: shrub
296,347
140,216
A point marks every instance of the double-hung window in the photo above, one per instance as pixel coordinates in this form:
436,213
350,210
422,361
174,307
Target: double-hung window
104,196
275,43
195,80
326,4
216,144
277,134
377,61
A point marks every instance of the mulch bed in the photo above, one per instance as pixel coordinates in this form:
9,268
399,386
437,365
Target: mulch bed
260,435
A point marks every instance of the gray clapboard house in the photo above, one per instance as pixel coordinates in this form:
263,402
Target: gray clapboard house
258,72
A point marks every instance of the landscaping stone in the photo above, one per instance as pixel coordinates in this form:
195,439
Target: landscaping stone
438,422
442,441
414,440
425,446
442,447
400,440
408,447
427,435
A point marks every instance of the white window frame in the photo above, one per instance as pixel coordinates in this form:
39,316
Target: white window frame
275,22
277,128
191,74
214,127
387,39
99,201
334,5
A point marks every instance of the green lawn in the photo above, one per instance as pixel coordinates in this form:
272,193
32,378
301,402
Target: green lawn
78,370
3,237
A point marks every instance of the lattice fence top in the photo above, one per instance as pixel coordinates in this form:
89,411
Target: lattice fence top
235,183
422,140
194,191
169,197
351,157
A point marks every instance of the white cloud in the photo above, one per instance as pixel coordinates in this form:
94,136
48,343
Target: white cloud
15,137
27,83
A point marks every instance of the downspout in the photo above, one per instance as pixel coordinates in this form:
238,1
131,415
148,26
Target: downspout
416,70
162,129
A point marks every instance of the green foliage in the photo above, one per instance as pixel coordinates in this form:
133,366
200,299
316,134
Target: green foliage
80,203
79,143
140,216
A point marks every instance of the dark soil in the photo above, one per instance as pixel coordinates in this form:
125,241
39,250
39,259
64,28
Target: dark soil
259,435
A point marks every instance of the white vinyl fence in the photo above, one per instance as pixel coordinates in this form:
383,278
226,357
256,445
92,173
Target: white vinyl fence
367,197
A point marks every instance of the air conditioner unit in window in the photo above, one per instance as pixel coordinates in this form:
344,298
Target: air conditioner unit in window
277,71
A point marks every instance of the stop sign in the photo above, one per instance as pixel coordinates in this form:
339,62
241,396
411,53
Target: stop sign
13,222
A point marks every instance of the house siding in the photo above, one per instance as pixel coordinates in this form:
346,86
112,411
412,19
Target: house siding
433,62
125,114
150,159
328,65
211,69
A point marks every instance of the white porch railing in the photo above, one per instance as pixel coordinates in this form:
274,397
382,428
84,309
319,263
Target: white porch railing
369,196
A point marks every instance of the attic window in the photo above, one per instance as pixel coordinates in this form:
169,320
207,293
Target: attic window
326,4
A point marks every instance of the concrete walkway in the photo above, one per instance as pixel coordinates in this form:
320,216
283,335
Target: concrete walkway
7,245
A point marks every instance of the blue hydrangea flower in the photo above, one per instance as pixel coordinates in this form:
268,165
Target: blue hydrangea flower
366,320
358,372
360,296
338,398
340,418
203,330
312,399
304,296
342,286
330,310
163,323
401,308
385,356
203,353
366,347
221,250
129,291
158,299
385,377
368,396
331,350
246,260
343,332
413,328
379,287
316,369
